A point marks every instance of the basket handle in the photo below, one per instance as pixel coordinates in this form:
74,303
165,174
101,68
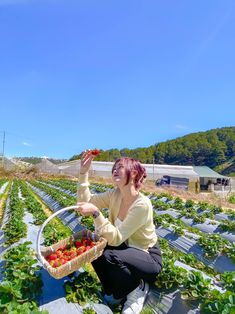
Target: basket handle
43,226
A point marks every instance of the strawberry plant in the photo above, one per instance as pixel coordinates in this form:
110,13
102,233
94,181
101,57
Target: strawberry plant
227,225
88,310
3,199
231,252
88,222
15,229
195,286
55,231
158,204
213,245
32,205
178,203
179,231
199,219
189,203
219,303
83,289
22,284
171,276
228,280
64,184
164,194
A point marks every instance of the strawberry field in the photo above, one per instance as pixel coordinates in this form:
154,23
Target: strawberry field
197,241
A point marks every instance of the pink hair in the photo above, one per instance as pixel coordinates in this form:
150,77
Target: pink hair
129,165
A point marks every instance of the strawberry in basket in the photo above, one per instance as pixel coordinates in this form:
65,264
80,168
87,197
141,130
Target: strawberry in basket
69,252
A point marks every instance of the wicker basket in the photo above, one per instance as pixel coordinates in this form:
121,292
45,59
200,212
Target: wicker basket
75,263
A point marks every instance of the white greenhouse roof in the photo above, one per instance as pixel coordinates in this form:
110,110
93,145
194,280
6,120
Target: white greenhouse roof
171,170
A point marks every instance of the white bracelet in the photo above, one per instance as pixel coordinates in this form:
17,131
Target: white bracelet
84,184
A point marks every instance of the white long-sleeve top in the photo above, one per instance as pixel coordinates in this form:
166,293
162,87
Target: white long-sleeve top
137,227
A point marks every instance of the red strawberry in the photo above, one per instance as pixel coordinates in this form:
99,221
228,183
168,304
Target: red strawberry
78,243
57,263
52,257
52,263
95,152
59,253
63,261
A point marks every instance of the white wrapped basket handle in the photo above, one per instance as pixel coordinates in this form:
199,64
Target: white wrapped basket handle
40,257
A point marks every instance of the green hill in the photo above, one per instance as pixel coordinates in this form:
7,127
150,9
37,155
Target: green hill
214,148
227,168
35,160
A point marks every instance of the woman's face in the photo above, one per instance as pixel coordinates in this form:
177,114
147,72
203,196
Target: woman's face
119,175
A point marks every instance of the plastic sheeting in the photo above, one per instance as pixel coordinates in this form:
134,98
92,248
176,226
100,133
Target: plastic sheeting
206,227
59,188
3,187
222,216
170,302
70,218
162,302
4,222
221,263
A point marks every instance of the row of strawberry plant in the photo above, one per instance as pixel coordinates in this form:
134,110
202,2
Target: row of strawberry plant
62,198
55,229
3,199
224,227
200,206
196,213
15,229
194,286
2,182
22,284
72,185
206,210
213,300
64,184
212,244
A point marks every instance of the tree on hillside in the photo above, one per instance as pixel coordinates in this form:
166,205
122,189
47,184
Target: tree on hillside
210,148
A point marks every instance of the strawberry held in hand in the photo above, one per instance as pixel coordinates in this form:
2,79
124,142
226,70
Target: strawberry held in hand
95,152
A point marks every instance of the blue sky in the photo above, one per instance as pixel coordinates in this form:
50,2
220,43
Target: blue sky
82,74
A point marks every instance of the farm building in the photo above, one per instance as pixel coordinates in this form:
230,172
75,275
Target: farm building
212,179
194,178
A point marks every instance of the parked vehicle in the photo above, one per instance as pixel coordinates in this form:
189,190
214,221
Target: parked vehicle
181,183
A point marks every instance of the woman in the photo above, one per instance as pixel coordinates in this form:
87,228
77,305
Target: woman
132,258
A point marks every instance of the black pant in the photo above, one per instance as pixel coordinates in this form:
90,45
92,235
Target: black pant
120,268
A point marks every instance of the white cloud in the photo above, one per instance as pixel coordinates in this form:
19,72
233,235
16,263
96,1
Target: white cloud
26,144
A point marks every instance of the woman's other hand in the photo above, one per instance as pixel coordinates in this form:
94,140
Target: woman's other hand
86,161
86,209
